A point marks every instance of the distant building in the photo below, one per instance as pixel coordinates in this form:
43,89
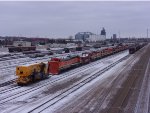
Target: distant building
114,37
36,41
91,37
82,36
103,33
21,43
95,38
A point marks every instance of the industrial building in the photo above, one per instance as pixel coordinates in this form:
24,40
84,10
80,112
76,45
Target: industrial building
21,43
114,37
83,36
91,37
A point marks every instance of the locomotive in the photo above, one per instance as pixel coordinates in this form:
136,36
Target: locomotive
56,65
30,73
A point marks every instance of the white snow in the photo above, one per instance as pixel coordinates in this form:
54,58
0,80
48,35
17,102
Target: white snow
32,102
142,105
101,79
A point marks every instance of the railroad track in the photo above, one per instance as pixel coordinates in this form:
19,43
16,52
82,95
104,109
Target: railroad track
143,103
46,56
3,69
121,98
103,94
13,68
123,93
72,89
12,57
7,83
63,76
9,70
23,61
108,90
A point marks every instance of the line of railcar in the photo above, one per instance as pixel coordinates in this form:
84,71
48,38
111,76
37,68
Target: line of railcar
35,54
38,71
135,47
21,49
56,65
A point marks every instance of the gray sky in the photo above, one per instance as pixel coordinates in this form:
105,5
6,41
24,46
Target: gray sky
62,19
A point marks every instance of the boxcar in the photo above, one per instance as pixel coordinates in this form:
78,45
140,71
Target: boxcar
21,49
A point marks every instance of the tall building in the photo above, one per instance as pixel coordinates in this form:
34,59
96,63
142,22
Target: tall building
103,33
114,37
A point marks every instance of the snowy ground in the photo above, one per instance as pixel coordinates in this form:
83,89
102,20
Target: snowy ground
18,99
80,96
7,67
67,93
5,49
101,94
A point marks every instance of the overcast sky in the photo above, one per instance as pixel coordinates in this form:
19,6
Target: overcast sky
62,19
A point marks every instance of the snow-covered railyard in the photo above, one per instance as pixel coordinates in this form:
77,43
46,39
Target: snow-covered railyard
7,67
92,88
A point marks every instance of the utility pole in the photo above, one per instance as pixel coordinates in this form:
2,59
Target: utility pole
119,35
147,32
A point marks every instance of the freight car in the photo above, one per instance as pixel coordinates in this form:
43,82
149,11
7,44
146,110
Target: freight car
132,49
37,53
30,52
21,49
136,47
31,73
85,58
56,65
